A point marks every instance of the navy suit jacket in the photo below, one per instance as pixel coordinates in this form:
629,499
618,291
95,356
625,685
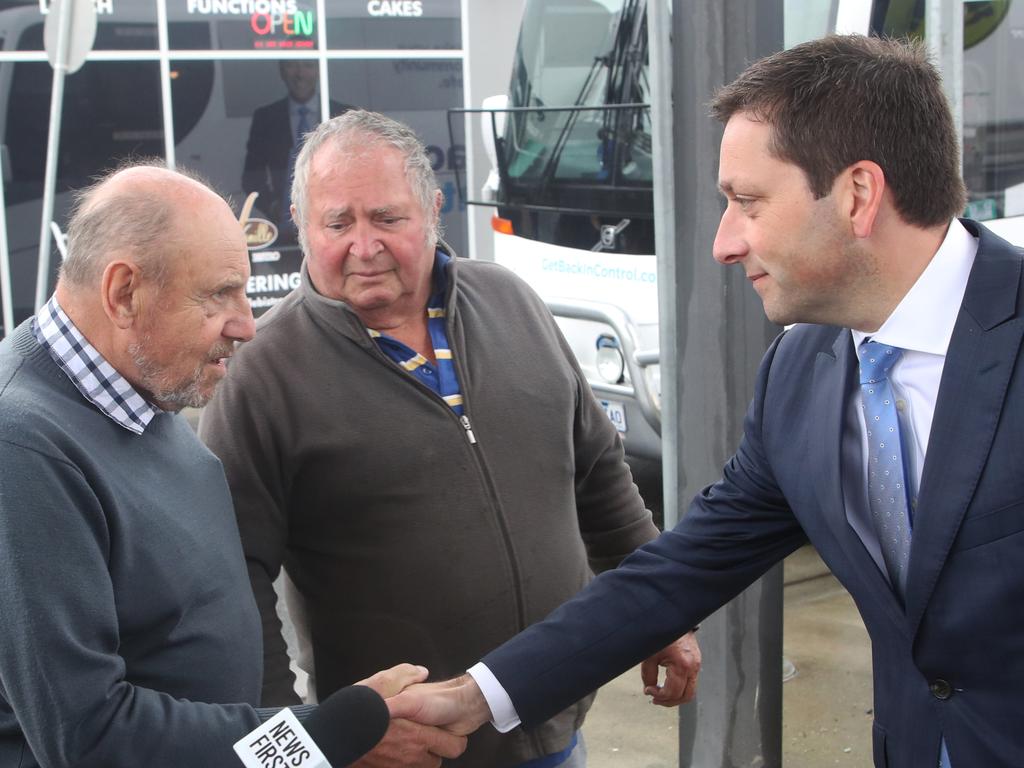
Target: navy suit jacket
951,663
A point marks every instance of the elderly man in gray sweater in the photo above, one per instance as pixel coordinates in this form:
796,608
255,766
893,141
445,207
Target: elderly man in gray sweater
130,634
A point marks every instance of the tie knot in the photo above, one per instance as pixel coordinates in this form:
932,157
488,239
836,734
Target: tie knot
875,361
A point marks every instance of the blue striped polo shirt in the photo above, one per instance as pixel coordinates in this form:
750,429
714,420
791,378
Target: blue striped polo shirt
441,378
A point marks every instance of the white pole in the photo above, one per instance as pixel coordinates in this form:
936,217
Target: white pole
165,84
60,68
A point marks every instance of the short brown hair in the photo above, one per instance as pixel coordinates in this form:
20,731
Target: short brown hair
844,98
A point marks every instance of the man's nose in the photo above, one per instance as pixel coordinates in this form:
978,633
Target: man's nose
242,326
729,246
365,243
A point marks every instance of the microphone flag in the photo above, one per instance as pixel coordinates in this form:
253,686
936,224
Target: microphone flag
281,742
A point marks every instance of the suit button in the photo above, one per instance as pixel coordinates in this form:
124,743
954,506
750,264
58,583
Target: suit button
940,689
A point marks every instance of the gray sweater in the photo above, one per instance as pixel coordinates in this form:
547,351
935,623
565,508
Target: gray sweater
127,612
406,540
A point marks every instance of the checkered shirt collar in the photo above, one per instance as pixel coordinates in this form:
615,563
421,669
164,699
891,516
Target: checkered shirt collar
95,378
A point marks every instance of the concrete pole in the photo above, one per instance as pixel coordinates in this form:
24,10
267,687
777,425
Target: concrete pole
713,334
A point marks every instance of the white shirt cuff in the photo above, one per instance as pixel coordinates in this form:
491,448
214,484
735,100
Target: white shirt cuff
503,713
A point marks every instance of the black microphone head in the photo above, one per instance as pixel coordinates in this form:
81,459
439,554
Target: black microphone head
348,724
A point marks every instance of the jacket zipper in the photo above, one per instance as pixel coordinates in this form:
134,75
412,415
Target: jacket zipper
481,466
464,421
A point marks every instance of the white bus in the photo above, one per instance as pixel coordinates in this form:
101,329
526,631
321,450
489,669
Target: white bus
571,176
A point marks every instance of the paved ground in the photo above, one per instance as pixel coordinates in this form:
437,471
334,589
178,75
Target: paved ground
826,705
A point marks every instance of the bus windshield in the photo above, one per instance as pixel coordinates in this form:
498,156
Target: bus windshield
582,64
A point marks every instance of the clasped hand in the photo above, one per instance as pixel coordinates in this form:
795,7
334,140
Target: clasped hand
408,744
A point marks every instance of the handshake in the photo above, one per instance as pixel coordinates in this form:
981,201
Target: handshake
457,706
427,723
430,721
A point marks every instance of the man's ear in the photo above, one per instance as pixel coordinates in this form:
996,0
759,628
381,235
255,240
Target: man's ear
120,291
864,190
438,202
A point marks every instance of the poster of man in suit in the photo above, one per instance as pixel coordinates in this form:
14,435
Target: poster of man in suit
275,136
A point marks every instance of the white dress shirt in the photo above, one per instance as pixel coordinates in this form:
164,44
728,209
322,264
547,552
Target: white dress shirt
921,325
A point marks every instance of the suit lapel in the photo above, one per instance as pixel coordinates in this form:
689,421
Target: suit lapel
829,392
981,356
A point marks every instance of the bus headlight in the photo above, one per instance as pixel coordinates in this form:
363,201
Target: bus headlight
609,360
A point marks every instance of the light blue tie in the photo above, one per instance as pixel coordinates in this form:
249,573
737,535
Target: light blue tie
887,484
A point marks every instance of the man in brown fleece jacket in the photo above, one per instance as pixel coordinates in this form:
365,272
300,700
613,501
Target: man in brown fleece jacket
410,436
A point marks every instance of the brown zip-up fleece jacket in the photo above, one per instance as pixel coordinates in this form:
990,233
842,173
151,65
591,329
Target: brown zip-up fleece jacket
411,534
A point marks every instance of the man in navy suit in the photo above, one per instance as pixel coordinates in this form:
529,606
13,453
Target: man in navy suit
275,136
840,166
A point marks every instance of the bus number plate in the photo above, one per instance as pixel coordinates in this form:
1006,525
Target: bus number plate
616,412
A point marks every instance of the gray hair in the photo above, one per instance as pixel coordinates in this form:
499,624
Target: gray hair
136,220
354,130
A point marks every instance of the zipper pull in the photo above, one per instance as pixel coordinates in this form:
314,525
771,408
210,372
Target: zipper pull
464,421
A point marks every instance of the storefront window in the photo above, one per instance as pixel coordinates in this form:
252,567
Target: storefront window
232,65
247,25
394,24
121,25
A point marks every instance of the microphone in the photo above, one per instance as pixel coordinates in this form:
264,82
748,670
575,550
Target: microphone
346,726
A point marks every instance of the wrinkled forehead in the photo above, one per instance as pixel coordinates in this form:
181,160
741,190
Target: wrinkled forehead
208,233
355,148
357,160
